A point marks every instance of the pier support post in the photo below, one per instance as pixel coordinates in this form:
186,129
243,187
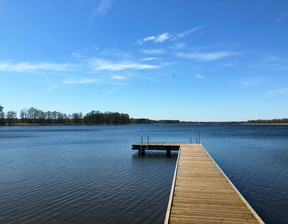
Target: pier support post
141,152
168,151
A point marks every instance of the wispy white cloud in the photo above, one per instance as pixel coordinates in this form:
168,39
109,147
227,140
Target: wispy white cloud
268,65
112,90
85,66
272,62
149,38
185,33
102,8
272,66
200,76
99,64
83,53
148,59
229,65
51,88
119,77
278,92
76,54
281,17
28,66
281,67
162,37
115,53
272,58
153,51
81,81
248,84
167,36
211,47
157,39
245,83
178,46
252,82
210,56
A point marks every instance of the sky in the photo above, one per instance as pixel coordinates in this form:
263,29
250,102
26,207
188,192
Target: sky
191,60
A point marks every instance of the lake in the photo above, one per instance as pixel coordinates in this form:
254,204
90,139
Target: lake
89,174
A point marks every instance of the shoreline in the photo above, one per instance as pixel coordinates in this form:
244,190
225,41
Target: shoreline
265,123
184,123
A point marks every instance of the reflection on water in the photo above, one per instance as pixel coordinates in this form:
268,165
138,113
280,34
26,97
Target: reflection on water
89,174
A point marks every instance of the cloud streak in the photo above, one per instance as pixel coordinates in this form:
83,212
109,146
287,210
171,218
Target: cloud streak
99,64
178,46
81,81
210,56
29,67
148,59
118,77
157,39
278,92
200,76
167,36
153,51
112,90
52,88
281,17
102,8
87,65
185,33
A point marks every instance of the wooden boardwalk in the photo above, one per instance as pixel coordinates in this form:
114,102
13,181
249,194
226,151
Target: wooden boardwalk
202,193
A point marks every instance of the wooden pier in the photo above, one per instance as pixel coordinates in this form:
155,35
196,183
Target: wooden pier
201,192
144,146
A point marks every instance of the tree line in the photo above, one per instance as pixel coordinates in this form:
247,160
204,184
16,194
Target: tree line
36,116
271,121
39,117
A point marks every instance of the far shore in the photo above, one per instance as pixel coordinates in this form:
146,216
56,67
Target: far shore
220,123
266,123
28,124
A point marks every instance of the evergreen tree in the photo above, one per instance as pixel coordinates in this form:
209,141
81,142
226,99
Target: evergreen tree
2,116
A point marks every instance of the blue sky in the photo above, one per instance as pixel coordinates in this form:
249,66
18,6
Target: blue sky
197,60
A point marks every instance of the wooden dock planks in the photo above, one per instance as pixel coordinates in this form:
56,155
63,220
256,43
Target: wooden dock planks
201,192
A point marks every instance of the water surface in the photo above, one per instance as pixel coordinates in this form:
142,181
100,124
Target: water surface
89,174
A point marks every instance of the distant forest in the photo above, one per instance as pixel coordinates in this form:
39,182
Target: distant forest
272,121
33,116
36,116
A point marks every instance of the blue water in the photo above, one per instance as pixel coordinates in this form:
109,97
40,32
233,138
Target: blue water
89,174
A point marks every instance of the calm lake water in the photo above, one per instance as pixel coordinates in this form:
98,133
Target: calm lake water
89,174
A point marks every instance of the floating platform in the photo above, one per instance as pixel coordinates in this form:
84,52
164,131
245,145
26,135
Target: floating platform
201,192
143,146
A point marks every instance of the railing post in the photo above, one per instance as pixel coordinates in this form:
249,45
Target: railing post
141,149
190,140
147,142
